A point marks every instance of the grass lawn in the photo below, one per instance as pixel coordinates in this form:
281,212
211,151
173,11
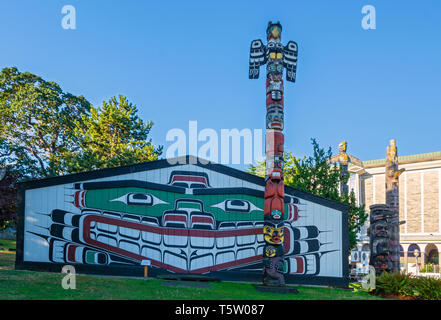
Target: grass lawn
7,258
15,284
5,245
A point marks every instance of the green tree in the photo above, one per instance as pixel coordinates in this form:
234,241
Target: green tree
38,120
113,135
314,175
8,198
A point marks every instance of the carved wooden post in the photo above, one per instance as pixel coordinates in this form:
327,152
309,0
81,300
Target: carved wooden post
343,159
392,200
379,233
276,57
384,231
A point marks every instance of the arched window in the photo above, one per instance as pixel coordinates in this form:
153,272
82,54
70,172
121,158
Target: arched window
432,254
412,248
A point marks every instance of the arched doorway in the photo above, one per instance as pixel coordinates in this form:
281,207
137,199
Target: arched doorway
414,258
432,258
411,251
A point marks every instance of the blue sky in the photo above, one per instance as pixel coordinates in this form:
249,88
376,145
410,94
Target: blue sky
188,60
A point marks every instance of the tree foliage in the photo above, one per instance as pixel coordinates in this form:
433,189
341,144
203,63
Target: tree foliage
51,132
48,132
8,199
113,135
38,122
314,175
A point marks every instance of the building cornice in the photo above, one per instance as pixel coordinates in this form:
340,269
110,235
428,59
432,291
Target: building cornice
415,158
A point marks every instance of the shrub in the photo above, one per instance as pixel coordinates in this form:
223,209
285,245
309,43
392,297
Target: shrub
428,288
396,283
402,284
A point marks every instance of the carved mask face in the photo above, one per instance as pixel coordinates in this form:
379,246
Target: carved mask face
342,147
274,67
270,251
274,118
273,234
380,230
274,84
276,214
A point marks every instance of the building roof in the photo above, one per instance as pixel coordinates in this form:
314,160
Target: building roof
419,157
175,162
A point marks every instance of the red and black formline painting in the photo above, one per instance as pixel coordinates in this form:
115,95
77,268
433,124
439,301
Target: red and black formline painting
205,219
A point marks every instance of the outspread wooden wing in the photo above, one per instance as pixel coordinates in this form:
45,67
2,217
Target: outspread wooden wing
333,160
257,58
355,161
290,60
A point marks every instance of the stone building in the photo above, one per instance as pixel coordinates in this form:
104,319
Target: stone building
420,204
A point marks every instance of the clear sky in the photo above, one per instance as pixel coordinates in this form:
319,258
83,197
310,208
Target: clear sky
188,60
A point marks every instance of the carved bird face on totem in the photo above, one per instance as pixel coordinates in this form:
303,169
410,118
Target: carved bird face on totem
274,30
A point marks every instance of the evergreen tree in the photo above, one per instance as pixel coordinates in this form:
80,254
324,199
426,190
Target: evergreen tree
112,135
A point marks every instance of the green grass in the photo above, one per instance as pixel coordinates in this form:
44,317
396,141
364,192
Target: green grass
17,284
7,261
7,258
5,245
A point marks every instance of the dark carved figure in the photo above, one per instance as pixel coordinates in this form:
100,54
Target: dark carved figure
381,244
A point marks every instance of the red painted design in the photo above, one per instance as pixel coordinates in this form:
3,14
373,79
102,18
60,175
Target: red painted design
71,252
168,231
189,178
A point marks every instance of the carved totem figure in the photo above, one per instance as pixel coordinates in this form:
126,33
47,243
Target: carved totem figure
392,200
384,231
343,159
379,233
276,57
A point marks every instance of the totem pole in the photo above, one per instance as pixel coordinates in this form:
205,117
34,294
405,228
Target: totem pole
379,234
343,159
384,231
276,57
392,200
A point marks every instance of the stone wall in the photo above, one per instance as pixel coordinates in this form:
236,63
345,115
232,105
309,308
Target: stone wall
410,183
413,202
431,205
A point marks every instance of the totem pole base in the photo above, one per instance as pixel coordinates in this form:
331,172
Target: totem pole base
275,289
